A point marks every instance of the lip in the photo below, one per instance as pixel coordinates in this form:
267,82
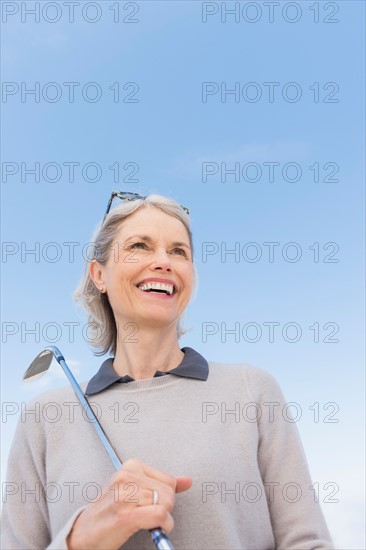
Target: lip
158,280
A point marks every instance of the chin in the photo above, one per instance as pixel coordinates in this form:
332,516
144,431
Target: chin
159,322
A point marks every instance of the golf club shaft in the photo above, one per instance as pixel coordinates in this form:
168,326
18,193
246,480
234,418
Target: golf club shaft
159,537
85,404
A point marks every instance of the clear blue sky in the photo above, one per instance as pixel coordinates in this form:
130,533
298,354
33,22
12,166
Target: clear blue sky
176,138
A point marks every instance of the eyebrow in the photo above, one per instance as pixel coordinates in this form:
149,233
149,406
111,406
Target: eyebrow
150,240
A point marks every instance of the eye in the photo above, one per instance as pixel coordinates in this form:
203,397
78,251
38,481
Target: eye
179,251
138,245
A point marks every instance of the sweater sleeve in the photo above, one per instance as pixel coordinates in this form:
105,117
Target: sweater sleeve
297,519
25,523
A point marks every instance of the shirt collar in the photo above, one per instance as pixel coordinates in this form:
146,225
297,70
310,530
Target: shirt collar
193,365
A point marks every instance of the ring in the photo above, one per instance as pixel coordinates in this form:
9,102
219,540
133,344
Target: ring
155,496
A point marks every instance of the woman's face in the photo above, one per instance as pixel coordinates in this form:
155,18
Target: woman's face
150,248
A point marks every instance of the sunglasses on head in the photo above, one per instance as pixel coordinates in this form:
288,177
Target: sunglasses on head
127,196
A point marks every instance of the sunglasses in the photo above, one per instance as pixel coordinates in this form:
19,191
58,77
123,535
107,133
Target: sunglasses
127,196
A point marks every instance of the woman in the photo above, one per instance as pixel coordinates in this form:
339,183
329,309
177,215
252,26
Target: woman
207,455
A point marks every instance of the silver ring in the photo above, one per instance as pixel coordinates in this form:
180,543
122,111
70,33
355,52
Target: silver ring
155,496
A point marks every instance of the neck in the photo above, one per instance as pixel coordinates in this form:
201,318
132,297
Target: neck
142,353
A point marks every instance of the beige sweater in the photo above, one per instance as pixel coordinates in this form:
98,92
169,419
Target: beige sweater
251,485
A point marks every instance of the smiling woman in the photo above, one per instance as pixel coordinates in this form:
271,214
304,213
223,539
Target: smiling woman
140,241
246,482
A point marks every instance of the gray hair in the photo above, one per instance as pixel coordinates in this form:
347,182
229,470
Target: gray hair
101,319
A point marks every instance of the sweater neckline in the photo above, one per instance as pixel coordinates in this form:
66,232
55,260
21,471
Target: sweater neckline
193,365
146,384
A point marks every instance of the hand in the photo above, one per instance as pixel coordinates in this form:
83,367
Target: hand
126,506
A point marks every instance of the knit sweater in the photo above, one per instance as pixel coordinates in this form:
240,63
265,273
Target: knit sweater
251,484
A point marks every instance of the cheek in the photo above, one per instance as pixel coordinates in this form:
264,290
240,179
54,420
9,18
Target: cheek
188,277
118,280
127,267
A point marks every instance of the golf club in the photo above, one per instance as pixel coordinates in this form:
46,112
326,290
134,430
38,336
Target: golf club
38,367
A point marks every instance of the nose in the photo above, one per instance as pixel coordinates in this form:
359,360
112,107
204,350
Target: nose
161,261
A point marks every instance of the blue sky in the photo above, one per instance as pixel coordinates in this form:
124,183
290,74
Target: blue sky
165,140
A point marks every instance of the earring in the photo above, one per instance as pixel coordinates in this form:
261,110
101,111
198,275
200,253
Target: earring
101,289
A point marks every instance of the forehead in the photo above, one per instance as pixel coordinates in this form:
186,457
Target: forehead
153,222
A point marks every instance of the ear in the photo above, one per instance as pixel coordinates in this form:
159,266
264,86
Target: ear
96,274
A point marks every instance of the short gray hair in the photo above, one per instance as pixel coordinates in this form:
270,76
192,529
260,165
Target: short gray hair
96,304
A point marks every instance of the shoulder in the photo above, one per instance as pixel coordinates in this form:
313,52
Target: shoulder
259,382
49,408
59,396
45,414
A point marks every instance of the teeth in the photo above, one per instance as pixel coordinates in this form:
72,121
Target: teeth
157,286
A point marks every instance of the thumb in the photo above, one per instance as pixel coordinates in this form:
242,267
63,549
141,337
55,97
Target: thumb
183,484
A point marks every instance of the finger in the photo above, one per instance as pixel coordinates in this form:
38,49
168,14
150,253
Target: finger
145,497
139,481
153,517
150,471
136,491
183,484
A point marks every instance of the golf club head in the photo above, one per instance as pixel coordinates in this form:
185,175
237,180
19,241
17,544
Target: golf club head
39,365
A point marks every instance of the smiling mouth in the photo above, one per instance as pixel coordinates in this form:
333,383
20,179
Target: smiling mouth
166,289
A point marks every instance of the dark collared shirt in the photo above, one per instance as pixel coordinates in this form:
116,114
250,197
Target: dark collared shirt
193,365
